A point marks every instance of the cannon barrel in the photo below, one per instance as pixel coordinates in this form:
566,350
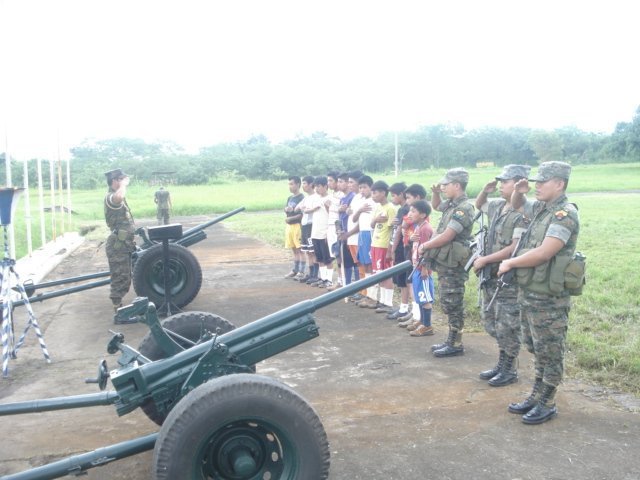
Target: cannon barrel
199,228
242,347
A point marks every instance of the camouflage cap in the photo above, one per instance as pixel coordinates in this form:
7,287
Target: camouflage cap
459,175
514,171
111,174
549,170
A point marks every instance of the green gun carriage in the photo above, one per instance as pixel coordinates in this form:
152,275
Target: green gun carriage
194,375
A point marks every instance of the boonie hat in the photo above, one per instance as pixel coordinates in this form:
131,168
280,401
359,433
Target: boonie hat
549,170
513,171
459,175
111,174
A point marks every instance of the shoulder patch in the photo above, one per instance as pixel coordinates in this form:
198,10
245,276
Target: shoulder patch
560,214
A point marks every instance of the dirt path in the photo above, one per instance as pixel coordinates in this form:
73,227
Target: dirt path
390,409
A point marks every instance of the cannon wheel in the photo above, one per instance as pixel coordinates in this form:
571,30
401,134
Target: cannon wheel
188,325
185,275
240,427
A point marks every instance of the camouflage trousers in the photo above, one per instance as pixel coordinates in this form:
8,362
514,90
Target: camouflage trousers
544,331
502,321
163,216
119,257
451,282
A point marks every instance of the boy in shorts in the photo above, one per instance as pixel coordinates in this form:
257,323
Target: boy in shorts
293,232
306,224
421,278
319,209
395,253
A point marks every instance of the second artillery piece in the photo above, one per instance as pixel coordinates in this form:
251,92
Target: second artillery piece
148,277
218,419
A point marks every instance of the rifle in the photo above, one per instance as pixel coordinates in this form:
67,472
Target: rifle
506,279
480,246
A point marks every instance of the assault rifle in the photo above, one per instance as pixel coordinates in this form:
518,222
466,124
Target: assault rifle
505,279
479,246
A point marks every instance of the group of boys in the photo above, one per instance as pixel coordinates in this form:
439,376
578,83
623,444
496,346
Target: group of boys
357,223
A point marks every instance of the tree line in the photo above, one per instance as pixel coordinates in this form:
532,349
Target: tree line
434,146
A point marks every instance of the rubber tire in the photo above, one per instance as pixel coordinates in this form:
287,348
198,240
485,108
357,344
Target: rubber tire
149,282
218,405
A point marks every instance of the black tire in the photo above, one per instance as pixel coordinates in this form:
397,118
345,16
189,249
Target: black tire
269,429
185,278
188,325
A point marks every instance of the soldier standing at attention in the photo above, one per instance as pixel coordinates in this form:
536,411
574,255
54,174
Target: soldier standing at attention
547,249
506,226
120,242
163,199
449,250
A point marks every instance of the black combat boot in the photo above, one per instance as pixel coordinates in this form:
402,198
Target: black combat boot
529,402
507,375
438,346
453,346
489,374
545,409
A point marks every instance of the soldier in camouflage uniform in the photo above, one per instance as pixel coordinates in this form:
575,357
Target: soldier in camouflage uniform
120,242
502,319
163,200
547,249
448,252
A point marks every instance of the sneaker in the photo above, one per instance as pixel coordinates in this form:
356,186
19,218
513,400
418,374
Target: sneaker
406,323
405,316
311,280
356,297
326,284
364,302
303,279
384,309
369,303
414,325
299,276
393,315
422,331
291,274
333,287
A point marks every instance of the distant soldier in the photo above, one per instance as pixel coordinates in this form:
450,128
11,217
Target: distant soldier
120,242
546,250
162,198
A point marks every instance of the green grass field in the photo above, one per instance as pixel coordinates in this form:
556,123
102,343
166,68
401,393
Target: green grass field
604,330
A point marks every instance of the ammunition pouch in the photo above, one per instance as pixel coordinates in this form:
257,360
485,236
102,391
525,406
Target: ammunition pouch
452,255
575,274
560,276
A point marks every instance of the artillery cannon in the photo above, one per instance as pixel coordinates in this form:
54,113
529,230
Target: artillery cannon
218,419
185,274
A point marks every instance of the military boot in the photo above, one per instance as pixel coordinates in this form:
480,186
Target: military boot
438,346
507,375
545,409
453,346
529,402
489,374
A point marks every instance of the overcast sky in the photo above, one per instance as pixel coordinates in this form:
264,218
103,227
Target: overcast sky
202,72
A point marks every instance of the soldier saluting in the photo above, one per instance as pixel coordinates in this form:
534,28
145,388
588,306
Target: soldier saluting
546,250
120,243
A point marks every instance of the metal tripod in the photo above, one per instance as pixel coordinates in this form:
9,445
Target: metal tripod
10,283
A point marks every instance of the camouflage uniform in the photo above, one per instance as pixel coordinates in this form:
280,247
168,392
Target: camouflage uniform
458,215
119,246
161,197
543,297
449,260
502,321
544,313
